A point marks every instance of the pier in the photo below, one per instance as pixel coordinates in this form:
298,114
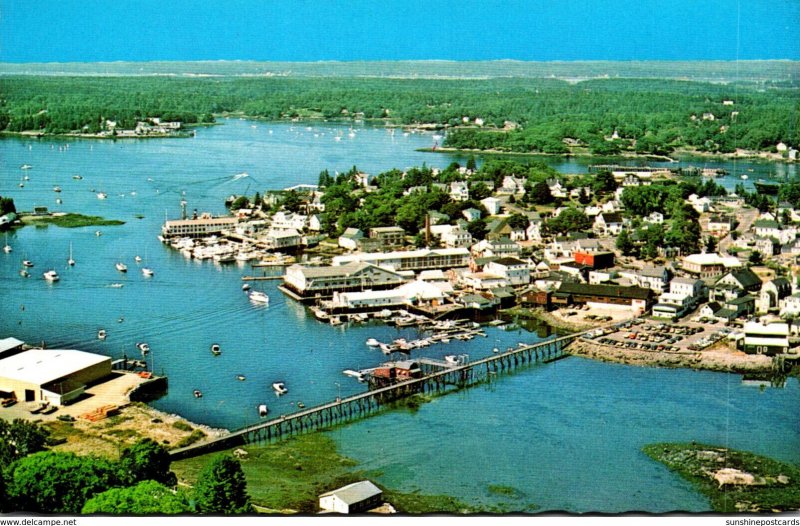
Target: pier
438,377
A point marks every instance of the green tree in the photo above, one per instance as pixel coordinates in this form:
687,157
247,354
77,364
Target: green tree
583,197
240,202
145,498
518,221
471,164
625,244
222,488
477,229
604,182
19,439
291,201
569,220
756,258
146,460
540,193
480,191
711,244
7,205
51,482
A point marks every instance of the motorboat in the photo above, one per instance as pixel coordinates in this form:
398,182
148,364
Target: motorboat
240,377
147,271
451,359
144,347
101,334
51,275
102,195
372,342
246,287
279,388
197,393
27,263
7,248
263,410
24,273
138,259
25,167
98,233
301,405
117,285
215,349
122,267
257,296
77,177
57,189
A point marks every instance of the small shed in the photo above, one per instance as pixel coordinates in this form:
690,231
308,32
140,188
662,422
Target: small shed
353,498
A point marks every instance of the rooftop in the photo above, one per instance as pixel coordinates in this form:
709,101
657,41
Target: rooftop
355,492
39,366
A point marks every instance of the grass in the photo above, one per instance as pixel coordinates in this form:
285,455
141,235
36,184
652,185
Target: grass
776,485
181,425
195,436
70,220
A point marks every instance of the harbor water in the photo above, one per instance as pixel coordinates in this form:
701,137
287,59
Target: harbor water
567,435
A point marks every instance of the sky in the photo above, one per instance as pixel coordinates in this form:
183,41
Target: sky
347,30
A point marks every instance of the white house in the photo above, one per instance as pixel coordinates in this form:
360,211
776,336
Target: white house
471,214
353,498
656,218
350,238
459,191
608,223
689,287
456,237
515,271
492,205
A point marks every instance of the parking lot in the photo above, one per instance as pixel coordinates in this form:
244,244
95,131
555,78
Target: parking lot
650,335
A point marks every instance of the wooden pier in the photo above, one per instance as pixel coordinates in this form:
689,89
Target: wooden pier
438,377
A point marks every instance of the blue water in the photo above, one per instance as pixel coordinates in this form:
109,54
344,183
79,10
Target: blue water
567,434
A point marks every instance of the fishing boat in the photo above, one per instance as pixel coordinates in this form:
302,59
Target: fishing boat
51,275
101,334
70,261
262,410
215,349
197,393
27,263
147,271
257,296
122,267
143,347
372,342
280,388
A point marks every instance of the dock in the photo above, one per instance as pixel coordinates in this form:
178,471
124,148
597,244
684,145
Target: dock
438,377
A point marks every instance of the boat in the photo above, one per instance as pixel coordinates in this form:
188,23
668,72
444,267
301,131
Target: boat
57,189
215,349
117,285
144,347
301,405
7,248
240,377
101,334
336,320
24,273
98,233
137,259
257,296
25,167
262,410
147,271
122,267
102,195
51,275
495,350
246,287
372,342
280,388
764,187
70,261
197,393
27,263
451,359
59,201
744,177
77,177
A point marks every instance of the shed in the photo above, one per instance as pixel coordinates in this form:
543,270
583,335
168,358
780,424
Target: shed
353,498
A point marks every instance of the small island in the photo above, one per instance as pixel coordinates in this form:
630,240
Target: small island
68,220
734,481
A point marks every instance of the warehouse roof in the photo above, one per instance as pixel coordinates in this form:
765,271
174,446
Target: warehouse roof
355,492
39,366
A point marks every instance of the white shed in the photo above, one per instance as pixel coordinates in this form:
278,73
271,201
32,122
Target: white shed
353,498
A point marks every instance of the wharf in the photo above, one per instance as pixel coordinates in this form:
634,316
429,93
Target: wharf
261,278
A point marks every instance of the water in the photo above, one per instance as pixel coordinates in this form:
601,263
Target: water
573,425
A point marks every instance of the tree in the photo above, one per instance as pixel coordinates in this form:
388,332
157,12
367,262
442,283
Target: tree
583,197
51,482
222,488
145,498
146,460
625,243
291,201
756,258
471,165
604,182
540,194
19,439
480,191
711,244
569,220
477,229
7,205
240,202
518,221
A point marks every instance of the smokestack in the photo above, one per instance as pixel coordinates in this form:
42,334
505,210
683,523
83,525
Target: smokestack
427,229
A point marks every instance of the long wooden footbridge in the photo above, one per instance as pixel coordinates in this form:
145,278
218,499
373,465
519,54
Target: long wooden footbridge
438,377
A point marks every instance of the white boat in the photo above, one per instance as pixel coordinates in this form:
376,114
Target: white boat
51,275
27,263
385,313
101,334
336,320
279,388
744,176
57,189
102,195
24,273
246,287
70,261
25,167
147,271
257,296
240,377
452,359
262,410
372,342
122,267
197,393
137,259
144,347
358,375
215,349
98,233
77,177
117,285
7,248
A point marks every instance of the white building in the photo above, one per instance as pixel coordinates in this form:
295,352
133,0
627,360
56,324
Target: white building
353,498
492,205
459,191
422,259
515,271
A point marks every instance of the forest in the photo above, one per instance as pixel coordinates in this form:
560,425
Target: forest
603,116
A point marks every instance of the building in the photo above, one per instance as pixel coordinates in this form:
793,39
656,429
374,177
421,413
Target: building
595,260
765,338
693,288
721,225
202,226
636,299
456,237
608,223
283,239
56,376
708,265
496,247
492,205
735,284
353,498
459,191
471,214
324,281
388,236
422,259
771,294
350,238
672,306
10,346
515,271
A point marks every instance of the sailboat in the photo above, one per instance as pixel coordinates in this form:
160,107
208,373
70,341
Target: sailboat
7,248
70,261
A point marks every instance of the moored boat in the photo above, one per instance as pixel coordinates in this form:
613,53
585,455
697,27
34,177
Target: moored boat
101,334
197,393
257,296
27,263
51,275
240,377
372,342
147,271
122,267
102,195
279,388
143,347
263,410
764,187
215,349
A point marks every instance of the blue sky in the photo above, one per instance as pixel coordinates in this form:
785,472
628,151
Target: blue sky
312,30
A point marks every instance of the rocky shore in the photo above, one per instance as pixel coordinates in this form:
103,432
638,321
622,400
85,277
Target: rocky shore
722,360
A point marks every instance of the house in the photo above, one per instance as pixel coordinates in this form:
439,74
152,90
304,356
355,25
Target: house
771,294
438,218
515,271
594,260
765,338
388,236
495,247
721,225
459,191
689,287
654,278
608,223
635,299
282,239
632,180
512,185
534,230
655,218
533,297
309,282
482,280
708,265
556,188
492,205
471,214
456,237
672,306
353,498
790,305
772,229
767,246
478,302
700,204
735,284
288,221
421,259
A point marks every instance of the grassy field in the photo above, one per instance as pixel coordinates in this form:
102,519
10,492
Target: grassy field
69,220
733,481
